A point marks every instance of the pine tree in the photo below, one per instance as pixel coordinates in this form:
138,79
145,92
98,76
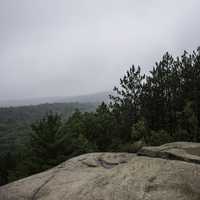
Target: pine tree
126,105
46,141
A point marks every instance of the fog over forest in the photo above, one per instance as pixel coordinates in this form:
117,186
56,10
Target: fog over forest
100,77
65,48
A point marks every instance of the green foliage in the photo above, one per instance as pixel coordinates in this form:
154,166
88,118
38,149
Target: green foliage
15,132
46,141
15,122
7,164
75,131
126,104
167,100
131,147
188,124
103,128
160,137
94,129
139,131
162,106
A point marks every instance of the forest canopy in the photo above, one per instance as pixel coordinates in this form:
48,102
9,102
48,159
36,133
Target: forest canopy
159,107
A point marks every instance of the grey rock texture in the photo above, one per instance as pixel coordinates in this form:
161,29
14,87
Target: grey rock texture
117,176
185,151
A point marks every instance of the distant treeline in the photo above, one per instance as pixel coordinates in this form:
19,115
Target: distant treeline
161,107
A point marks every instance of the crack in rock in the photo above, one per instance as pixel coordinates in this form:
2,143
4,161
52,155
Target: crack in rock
105,164
89,164
167,156
100,162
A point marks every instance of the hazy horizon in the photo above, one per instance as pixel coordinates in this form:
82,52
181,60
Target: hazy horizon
60,96
95,98
69,48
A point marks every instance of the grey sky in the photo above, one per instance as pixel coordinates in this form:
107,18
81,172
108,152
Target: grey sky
70,47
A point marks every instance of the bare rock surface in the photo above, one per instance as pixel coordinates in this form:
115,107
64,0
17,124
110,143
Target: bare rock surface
185,151
116,176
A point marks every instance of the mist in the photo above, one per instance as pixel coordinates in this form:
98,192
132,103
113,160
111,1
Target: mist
66,48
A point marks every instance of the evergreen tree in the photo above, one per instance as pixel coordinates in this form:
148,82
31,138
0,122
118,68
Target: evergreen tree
77,130
46,141
126,105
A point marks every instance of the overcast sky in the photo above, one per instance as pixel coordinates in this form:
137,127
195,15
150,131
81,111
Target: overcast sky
71,47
